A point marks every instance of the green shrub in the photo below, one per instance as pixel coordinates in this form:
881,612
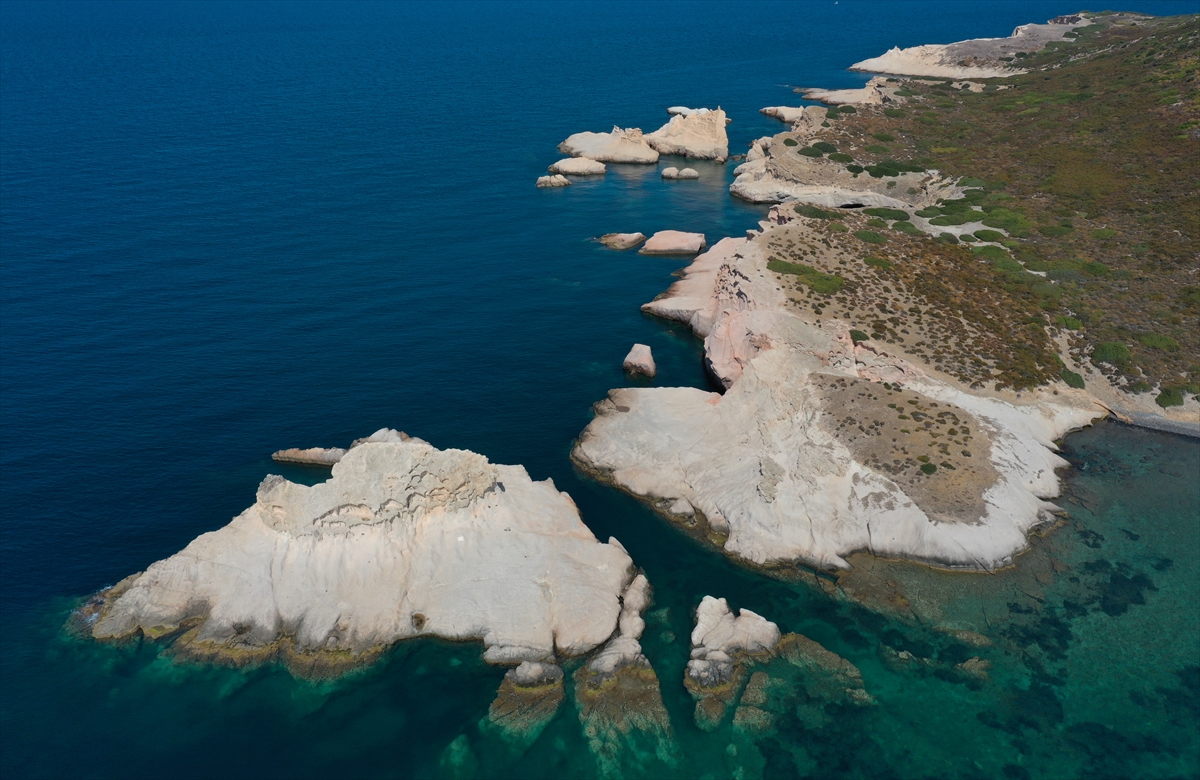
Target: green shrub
790,142
838,227
1053,231
842,158
877,149
855,169
849,110
885,137
886,213
1159,341
877,262
928,468
967,238
1103,233
893,168
1012,221
1170,396
1094,269
1140,386
989,235
894,113
808,151
1070,323
833,114
1111,352
929,212
812,212
1072,379
826,284
947,220
906,227
824,146
876,222
971,181
995,253
870,236
857,335
948,238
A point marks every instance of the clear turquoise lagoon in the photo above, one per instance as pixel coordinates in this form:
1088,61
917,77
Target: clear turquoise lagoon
229,228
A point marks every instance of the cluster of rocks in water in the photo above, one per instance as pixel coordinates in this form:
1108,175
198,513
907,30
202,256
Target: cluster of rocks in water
694,133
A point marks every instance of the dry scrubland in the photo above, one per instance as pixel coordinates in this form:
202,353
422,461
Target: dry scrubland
1081,175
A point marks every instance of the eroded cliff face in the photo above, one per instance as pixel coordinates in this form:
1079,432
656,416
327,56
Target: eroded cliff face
404,540
821,446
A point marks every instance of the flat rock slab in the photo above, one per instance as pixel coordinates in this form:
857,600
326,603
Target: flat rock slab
622,240
578,166
674,242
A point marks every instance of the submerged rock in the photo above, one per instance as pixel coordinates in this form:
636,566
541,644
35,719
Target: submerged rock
673,242
695,133
721,644
640,361
619,699
675,173
528,699
617,146
578,166
622,241
403,540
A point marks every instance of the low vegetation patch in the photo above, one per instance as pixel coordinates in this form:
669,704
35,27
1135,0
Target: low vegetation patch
826,284
1072,379
885,213
812,212
870,236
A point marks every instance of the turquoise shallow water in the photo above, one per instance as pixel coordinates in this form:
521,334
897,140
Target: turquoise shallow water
228,229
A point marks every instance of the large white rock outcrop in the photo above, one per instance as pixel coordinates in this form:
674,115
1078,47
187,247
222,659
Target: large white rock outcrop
640,361
403,540
617,146
699,134
763,472
554,180
719,637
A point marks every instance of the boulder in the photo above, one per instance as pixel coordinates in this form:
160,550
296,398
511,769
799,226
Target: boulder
699,134
670,173
578,166
617,146
673,242
688,173
622,240
640,361
555,180
403,540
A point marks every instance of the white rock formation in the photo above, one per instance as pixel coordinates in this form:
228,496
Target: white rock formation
699,134
875,93
670,173
626,649
578,166
688,173
618,146
784,113
403,540
757,466
622,240
640,361
719,639
555,180
673,242
313,456
981,55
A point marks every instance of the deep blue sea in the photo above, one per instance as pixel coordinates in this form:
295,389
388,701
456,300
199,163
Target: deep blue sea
229,228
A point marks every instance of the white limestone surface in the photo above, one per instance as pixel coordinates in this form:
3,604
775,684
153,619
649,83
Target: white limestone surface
699,134
403,540
578,166
617,146
673,242
554,180
757,467
313,456
720,638
976,58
